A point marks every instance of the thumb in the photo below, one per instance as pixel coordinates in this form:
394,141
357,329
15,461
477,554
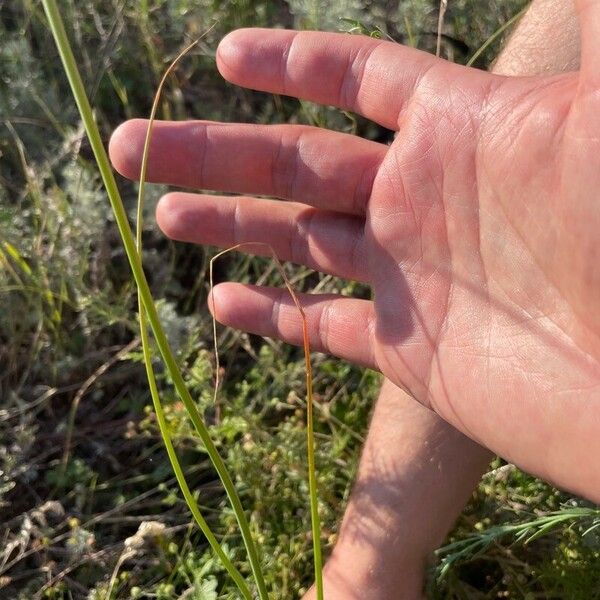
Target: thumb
588,12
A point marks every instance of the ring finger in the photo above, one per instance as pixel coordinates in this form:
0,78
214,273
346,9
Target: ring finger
322,240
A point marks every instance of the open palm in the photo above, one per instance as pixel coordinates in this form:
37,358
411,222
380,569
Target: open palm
478,228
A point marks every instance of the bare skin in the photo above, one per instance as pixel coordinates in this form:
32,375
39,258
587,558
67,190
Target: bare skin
416,471
546,41
416,474
477,228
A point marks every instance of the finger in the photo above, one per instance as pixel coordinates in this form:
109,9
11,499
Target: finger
372,77
322,168
322,240
344,327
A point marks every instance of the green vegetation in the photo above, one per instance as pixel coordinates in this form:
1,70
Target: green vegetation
88,502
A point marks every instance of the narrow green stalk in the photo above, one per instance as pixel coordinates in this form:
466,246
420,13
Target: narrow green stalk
185,490
495,35
310,436
312,477
145,296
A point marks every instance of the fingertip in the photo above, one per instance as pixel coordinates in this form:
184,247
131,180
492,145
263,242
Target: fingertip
125,147
222,301
251,57
170,215
243,306
233,53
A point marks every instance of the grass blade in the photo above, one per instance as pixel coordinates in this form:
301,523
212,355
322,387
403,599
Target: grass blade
85,110
181,480
495,36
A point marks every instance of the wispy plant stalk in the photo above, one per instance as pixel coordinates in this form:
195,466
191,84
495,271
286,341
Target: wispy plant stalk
310,435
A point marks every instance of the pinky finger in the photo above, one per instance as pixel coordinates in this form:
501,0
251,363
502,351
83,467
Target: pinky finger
344,327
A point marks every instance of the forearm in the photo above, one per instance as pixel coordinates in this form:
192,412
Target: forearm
545,41
415,476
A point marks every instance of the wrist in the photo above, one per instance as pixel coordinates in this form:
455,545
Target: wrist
364,577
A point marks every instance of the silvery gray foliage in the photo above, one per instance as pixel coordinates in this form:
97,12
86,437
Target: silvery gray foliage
177,327
26,99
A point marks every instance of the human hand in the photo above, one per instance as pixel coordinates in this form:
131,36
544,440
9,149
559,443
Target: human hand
477,228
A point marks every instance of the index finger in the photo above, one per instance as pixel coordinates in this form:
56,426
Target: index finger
371,77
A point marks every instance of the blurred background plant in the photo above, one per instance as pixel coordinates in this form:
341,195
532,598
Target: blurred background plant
88,505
